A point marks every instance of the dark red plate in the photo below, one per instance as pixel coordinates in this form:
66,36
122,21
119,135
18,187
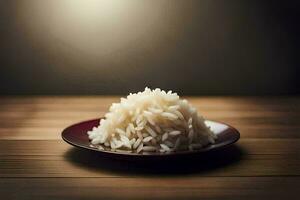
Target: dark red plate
76,135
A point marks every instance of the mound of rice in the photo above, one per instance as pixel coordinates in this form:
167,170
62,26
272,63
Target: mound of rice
152,121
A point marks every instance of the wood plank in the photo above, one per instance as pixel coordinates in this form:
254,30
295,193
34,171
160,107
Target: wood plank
36,163
28,99
104,106
59,147
61,114
258,122
77,163
246,103
44,112
150,188
48,132
31,133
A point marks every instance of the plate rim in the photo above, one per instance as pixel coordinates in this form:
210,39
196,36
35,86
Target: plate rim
178,153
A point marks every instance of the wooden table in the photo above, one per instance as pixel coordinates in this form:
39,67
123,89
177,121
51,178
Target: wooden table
36,163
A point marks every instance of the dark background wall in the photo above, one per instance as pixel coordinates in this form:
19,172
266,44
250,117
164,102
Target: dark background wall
118,46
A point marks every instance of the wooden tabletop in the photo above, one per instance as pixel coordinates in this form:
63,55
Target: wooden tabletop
36,163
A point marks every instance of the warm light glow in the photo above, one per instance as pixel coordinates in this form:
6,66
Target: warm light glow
94,28
90,10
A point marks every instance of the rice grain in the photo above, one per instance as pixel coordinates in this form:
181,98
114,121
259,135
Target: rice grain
152,117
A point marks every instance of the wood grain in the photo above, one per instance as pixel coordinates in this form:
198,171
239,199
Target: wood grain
36,163
151,188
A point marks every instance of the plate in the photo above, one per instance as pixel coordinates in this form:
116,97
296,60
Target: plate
76,135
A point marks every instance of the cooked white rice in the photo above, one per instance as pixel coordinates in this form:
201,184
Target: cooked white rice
152,121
